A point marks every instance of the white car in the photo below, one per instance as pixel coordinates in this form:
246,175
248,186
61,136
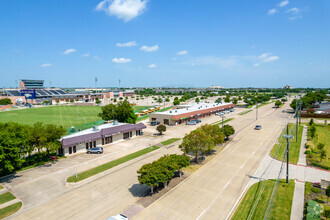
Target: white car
118,217
219,113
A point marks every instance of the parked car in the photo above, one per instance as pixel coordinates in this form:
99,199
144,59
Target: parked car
257,127
118,217
219,113
226,112
153,123
198,121
191,123
231,110
95,150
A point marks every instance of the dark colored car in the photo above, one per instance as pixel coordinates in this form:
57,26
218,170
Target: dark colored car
257,127
153,123
198,121
95,150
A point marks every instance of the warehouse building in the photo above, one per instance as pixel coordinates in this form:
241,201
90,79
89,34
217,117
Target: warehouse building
183,113
97,136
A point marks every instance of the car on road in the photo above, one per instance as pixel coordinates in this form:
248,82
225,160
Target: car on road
191,123
283,111
95,150
257,127
118,217
197,121
153,123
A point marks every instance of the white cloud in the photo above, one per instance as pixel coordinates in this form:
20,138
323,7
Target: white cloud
256,64
295,17
85,55
152,66
46,65
174,58
294,10
183,52
68,51
272,11
149,48
127,44
283,3
121,60
266,57
123,9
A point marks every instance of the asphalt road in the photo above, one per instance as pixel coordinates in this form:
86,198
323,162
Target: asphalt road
212,191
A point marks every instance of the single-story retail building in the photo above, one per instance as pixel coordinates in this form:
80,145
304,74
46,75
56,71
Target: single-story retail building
183,113
81,141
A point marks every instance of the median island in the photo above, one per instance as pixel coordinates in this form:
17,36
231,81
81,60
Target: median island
99,169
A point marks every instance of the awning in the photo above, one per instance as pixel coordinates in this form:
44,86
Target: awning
183,118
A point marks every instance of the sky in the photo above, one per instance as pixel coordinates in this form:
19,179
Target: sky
159,43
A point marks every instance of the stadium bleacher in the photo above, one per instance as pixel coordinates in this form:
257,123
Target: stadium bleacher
13,92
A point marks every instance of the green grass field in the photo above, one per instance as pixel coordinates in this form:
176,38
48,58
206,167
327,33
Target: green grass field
322,136
88,173
6,197
170,141
294,147
9,210
67,116
282,201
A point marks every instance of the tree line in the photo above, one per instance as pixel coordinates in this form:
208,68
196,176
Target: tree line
24,145
122,112
162,170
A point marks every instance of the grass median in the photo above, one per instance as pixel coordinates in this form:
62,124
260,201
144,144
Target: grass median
245,112
280,206
279,148
220,122
9,210
170,141
6,197
99,169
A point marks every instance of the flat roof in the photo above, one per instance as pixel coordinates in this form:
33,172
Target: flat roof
91,131
192,108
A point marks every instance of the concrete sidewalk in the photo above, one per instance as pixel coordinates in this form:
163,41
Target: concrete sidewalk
297,211
302,155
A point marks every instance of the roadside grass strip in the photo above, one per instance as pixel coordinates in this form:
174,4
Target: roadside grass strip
6,197
99,169
279,148
245,112
220,122
170,141
9,210
1,187
280,207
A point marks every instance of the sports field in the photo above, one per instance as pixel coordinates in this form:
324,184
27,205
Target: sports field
80,117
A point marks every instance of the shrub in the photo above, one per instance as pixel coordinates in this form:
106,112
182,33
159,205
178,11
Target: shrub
307,146
315,190
307,152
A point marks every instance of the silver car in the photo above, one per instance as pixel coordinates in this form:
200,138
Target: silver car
95,150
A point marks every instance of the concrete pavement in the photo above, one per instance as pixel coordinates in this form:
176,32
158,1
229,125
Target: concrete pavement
211,192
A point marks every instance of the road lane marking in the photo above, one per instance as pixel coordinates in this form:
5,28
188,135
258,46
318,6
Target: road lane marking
243,165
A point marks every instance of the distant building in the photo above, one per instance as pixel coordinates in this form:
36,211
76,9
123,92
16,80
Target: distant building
216,87
31,84
183,113
287,87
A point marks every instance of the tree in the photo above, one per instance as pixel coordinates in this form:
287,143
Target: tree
196,142
320,146
311,122
312,130
284,100
323,154
227,99
176,102
278,103
235,100
5,101
161,129
197,100
167,100
219,100
123,112
97,101
327,192
214,132
228,130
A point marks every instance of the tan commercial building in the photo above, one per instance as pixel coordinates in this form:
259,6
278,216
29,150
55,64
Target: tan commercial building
183,113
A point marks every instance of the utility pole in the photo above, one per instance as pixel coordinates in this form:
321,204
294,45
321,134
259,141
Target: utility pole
287,136
300,103
257,112
296,120
222,116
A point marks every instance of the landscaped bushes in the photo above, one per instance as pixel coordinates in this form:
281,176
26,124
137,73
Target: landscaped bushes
162,170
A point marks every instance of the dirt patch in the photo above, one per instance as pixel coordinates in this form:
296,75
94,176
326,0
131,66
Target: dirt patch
149,198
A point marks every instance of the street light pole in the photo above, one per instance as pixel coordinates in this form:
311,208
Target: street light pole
257,112
287,136
222,116
300,103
